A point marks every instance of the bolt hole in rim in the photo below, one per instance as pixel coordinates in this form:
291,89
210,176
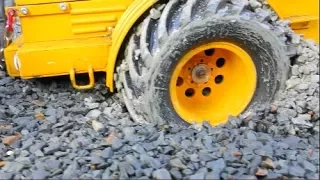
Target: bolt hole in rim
229,85
220,62
179,81
190,92
218,79
206,91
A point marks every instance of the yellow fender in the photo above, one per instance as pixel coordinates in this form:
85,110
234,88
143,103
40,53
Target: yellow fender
302,14
125,23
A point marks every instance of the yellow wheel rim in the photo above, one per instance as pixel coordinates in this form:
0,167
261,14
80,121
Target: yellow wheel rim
212,82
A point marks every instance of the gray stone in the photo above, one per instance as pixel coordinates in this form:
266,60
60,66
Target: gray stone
37,146
51,149
161,174
290,113
147,171
5,80
296,171
204,156
39,174
13,167
251,136
194,158
26,144
97,174
116,144
39,153
114,166
133,161
106,174
69,173
247,177
177,163
106,153
291,141
312,176
309,166
150,161
217,165
84,169
213,175
6,175
96,160
24,153
185,144
138,148
199,175
60,154
187,172
175,173
51,164
222,136
50,112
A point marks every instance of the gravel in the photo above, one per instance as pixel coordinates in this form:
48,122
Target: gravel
57,132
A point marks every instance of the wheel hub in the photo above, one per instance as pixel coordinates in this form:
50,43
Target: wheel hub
201,73
212,82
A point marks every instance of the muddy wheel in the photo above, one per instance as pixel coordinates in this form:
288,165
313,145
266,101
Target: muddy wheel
202,61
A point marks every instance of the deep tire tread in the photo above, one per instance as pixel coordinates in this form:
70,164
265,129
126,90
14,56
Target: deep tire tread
175,15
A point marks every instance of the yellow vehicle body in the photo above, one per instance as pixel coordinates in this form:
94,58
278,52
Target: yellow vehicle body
85,36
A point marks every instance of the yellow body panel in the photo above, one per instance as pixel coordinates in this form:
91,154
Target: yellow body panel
73,36
81,19
43,59
25,2
303,14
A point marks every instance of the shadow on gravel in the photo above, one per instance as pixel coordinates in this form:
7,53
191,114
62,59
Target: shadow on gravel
82,79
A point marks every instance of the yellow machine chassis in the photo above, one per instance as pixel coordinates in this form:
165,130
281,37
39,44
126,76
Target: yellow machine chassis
85,36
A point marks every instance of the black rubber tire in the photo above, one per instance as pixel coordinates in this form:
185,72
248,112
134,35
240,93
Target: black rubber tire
157,44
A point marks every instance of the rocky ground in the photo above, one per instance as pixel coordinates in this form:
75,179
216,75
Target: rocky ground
50,130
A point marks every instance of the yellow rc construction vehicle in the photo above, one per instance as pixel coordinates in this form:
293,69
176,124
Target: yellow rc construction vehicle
176,61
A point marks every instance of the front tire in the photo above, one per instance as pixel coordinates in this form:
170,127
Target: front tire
159,44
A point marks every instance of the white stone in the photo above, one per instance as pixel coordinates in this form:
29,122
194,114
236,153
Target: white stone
93,114
255,4
302,58
295,70
295,39
315,78
306,117
292,82
303,86
10,153
301,121
92,105
97,126
107,110
155,14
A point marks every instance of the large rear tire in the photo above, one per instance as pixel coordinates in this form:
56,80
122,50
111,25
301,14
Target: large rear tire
192,36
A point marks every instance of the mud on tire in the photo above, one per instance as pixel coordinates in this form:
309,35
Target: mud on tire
171,30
